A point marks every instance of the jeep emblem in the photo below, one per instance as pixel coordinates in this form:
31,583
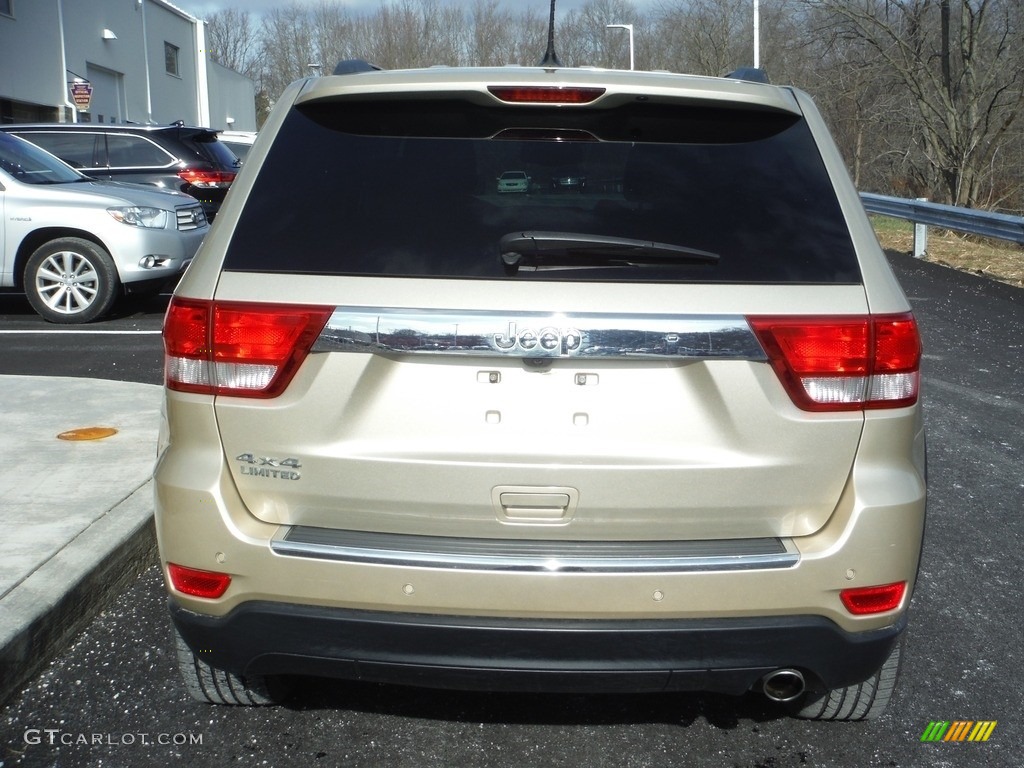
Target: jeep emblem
557,341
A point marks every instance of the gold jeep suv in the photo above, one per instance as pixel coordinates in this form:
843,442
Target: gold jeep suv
662,434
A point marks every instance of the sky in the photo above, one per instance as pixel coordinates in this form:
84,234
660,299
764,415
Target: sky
202,8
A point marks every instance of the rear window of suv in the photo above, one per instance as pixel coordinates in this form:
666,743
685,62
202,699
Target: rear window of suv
407,188
206,147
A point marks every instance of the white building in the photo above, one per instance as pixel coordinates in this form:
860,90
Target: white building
140,61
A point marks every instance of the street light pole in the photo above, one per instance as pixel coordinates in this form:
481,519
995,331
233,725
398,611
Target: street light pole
757,36
628,28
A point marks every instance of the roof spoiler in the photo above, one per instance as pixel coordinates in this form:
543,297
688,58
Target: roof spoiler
750,74
354,66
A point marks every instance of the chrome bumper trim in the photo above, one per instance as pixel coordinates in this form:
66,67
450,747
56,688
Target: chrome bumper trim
535,556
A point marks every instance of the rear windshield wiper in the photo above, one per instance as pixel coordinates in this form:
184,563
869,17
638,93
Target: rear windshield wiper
573,250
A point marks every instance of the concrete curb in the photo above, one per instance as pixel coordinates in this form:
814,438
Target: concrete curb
41,615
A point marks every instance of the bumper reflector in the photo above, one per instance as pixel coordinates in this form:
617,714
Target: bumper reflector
867,600
191,581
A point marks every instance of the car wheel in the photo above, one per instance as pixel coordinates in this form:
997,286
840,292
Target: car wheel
865,701
71,280
215,686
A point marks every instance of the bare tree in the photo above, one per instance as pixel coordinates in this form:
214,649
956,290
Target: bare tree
704,37
288,49
959,65
232,41
530,36
855,91
492,33
333,35
415,33
498,37
584,39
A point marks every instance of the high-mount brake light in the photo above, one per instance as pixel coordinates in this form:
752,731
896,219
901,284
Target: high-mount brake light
235,348
545,94
208,179
844,363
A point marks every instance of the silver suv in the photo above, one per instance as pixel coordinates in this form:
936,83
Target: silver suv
660,434
74,244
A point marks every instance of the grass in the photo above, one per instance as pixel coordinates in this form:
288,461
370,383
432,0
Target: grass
998,259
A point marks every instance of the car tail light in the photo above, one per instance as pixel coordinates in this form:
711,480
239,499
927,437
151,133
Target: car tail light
862,601
545,94
844,363
237,349
208,179
191,581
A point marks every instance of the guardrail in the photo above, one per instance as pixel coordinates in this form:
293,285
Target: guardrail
923,213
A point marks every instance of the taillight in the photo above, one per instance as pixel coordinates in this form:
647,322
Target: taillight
844,363
545,94
191,581
237,349
208,179
862,601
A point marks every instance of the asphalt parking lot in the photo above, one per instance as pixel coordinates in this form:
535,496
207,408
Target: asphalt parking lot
117,688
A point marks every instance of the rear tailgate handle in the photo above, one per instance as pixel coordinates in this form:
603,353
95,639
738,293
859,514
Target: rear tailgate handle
524,504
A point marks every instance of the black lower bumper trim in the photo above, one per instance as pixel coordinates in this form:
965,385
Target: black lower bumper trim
722,655
153,285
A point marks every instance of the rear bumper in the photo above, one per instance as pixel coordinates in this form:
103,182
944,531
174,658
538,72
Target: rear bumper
722,655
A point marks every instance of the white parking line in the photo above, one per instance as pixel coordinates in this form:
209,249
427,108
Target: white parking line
93,333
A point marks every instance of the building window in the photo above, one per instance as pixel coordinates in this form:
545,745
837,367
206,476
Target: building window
170,59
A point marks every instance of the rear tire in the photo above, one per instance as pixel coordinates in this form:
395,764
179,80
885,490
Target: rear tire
71,280
864,701
215,686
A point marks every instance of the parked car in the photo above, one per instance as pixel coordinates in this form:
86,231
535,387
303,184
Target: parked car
513,181
174,157
74,244
239,142
668,439
568,182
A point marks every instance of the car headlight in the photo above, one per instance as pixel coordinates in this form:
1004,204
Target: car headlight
140,216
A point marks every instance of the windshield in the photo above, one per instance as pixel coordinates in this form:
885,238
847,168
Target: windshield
423,189
31,165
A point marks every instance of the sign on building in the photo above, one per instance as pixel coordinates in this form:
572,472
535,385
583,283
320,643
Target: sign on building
81,94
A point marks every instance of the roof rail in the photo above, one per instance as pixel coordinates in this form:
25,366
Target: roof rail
750,74
354,66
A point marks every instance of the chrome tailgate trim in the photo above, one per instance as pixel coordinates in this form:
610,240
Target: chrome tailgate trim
486,333
535,556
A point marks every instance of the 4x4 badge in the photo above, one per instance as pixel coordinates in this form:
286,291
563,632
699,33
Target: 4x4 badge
265,466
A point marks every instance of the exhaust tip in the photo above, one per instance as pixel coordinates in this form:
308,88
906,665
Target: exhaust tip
784,685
